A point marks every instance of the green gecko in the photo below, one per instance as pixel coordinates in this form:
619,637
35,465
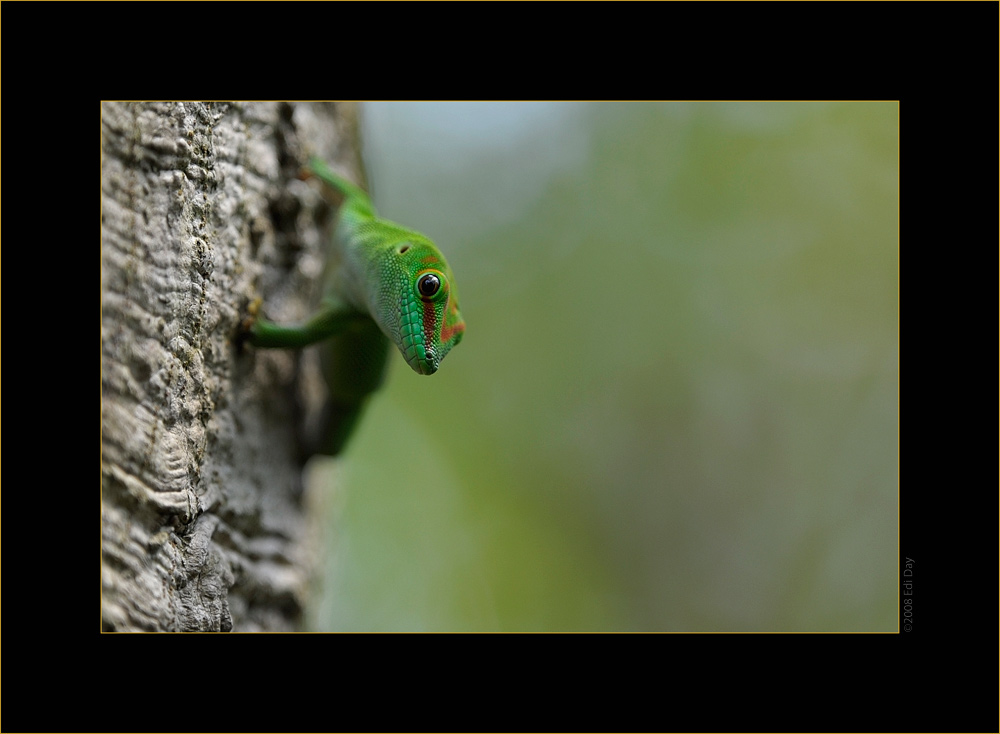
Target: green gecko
382,283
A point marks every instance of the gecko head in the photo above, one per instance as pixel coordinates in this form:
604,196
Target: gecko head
430,322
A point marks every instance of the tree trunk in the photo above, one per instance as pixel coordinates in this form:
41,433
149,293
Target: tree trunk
203,512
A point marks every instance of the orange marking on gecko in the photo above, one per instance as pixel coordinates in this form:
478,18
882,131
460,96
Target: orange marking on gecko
430,319
447,332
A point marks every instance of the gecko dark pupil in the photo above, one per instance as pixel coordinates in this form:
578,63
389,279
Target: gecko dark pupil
429,285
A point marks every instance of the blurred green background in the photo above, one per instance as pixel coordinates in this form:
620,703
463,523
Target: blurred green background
675,406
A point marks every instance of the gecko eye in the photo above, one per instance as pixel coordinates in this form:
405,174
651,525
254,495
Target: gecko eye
428,285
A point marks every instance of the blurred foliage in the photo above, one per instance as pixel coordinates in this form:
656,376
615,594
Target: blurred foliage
675,407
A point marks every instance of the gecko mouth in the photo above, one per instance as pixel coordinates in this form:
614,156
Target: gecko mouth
421,361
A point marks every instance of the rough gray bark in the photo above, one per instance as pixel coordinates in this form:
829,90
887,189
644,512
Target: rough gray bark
204,519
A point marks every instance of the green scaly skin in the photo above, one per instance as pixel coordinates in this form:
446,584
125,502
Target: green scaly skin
383,283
